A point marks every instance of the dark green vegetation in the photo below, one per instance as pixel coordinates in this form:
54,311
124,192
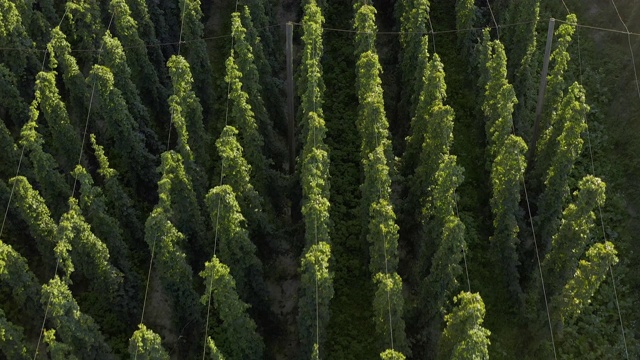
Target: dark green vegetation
153,214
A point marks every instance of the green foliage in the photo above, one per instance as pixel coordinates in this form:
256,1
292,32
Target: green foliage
143,73
351,309
562,155
93,203
36,214
88,253
521,44
186,115
165,16
5,193
85,25
506,159
520,41
146,29
195,50
166,241
15,108
413,22
12,344
76,329
247,65
38,19
315,206
64,261
212,349
60,57
500,124
388,307
115,59
436,123
595,332
57,350
103,162
53,185
376,154
431,131
315,264
365,27
180,124
316,292
19,284
375,146
146,345
341,147
372,122
314,159
267,58
235,245
120,132
260,38
507,174
442,281
499,99
578,292
466,14
316,289
414,19
13,35
243,117
27,11
185,209
574,233
571,107
441,203
382,229
464,337
322,4
236,172
65,140
310,84
236,333
116,197
391,355
9,150
483,53
559,63
447,233
377,180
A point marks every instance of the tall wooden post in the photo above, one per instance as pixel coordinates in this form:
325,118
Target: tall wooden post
290,97
541,90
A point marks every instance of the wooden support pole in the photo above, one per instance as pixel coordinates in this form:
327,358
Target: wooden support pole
290,97
541,90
